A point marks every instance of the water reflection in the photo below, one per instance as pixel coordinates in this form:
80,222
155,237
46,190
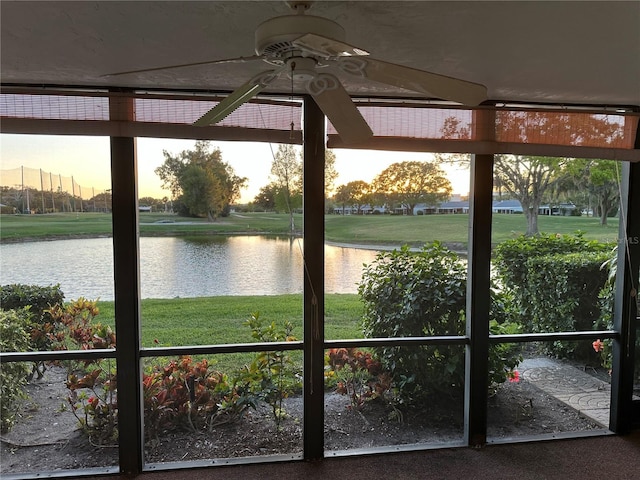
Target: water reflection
180,267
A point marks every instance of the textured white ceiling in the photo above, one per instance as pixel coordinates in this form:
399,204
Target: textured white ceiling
543,51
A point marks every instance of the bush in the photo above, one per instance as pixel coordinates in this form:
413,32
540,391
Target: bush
511,256
408,294
188,393
555,281
183,393
13,375
272,375
92,393
39,300
562,291
358,375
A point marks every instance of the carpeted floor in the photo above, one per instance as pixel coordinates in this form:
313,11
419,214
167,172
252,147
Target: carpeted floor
609,458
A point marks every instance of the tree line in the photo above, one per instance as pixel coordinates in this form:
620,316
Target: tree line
203,185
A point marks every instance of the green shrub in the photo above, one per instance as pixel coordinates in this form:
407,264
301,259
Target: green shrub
39,300
412,294
13,375
555,281
511,256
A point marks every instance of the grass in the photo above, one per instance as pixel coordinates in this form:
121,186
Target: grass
19,227
369,229
221,320
420,229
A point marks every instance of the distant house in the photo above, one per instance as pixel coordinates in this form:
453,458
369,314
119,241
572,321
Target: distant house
144,208
424,209
453,206
565,210
457,206
514,206
345,210
364,210
507,206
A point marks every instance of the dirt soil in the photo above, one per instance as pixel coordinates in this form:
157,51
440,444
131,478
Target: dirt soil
46,436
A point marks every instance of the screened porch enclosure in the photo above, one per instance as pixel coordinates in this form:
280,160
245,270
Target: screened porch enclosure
413,126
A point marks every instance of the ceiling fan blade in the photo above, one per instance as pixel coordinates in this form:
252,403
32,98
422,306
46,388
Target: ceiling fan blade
327,47
440,86
336,104
195,64
239,96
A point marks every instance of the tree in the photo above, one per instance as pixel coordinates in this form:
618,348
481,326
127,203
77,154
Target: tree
330,173
528,179
200,180
544,127
355,194
599,179
286,171
410,183
605,186
102,201
266,198
155,203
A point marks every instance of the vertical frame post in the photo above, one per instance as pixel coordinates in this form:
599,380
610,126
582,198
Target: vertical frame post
478,300
626,297
127,290
313,168
479,284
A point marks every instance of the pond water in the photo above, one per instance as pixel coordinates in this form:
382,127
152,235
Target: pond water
173,267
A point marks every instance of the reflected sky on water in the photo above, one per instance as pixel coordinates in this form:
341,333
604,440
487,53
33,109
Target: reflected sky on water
173,267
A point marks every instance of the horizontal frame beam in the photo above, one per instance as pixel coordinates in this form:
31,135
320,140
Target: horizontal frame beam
297,345
146,129
486,147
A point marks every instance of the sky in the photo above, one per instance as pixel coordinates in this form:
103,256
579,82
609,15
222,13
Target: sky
87,160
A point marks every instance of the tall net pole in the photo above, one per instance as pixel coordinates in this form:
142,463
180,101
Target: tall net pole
42,192
53,201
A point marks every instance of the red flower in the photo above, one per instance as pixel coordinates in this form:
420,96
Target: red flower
514,376
598,346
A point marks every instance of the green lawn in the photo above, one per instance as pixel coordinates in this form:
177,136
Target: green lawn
453,228
369,229
220,320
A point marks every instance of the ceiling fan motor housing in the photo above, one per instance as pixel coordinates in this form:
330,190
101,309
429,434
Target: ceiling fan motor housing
274,36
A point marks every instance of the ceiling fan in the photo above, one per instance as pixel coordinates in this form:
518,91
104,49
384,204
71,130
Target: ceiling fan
299,45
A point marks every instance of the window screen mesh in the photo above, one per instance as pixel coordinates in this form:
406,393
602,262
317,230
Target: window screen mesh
54,107
273,116
563,128
417,121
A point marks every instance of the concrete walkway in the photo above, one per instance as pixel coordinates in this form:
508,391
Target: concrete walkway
572,386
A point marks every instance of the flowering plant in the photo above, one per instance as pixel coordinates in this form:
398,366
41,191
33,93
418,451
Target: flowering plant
513,376
603,348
